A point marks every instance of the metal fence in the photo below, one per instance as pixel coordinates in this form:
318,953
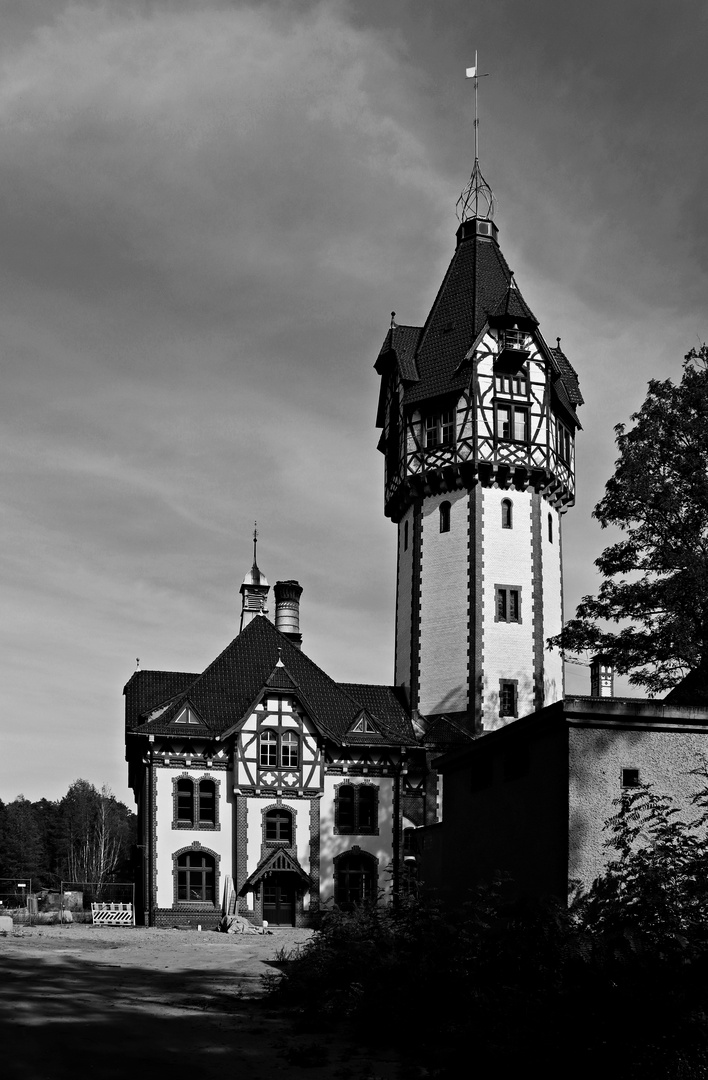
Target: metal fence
79,899
17,899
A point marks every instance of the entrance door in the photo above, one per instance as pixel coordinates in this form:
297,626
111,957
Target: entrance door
279,900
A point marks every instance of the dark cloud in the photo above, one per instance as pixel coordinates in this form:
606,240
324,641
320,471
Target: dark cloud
207,213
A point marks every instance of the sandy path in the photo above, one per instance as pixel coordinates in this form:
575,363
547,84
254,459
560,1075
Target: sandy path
117,1002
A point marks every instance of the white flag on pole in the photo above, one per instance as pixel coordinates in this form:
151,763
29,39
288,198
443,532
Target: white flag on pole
471,72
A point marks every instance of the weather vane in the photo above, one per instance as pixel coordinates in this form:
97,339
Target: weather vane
478,190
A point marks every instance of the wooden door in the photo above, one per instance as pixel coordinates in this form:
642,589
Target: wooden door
279,900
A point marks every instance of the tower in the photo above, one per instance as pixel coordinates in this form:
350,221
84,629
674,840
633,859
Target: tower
478,419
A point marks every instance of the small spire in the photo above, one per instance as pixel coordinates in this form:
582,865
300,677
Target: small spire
137,663
279,661
477,200
255,572
558,345
394,324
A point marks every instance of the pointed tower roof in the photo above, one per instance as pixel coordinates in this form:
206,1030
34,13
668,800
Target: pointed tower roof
475,287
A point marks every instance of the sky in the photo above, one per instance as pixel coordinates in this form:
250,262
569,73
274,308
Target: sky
207,213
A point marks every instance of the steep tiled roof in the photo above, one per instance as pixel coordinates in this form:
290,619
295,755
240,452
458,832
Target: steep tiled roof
225,691
384,704
442,732
568,375
402,341
147,689
475,284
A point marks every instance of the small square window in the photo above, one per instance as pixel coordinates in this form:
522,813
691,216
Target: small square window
630,778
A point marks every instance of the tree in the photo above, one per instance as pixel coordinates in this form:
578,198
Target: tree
97,833
21,844
656,579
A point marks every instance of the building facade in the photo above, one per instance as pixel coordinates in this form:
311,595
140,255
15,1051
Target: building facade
266,789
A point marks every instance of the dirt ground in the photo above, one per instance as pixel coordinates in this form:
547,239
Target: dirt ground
111,1002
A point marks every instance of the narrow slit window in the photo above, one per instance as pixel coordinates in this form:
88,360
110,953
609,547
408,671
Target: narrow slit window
444,517
550,528
405,536
507,514
207,802
289,750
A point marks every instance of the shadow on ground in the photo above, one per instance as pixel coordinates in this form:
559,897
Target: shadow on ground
62,1016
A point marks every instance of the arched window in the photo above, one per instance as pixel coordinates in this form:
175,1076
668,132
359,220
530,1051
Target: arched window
507,514
444,517
207,802
196,877
269,749
355,878
289,750
550,528
279,826
185,800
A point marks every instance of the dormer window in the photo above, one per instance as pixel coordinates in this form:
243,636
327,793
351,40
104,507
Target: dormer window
513,339
440,429
517,385
513,348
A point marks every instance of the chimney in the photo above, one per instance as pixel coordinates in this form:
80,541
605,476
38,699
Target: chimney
287,610
602,677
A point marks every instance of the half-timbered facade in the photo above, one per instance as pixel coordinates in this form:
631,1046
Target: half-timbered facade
264,781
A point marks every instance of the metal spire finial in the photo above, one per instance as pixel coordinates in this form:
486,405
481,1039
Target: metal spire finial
477,200
255,572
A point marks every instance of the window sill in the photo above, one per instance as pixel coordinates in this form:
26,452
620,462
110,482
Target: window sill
342,831
199,826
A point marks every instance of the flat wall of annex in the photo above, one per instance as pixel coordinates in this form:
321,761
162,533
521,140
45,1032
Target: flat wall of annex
597,757
505,809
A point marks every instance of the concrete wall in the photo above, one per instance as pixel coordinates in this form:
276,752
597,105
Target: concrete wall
596,759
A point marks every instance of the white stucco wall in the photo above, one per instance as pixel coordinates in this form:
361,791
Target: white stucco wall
380,846
404,600
552,603
444,606
507,648
169,840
